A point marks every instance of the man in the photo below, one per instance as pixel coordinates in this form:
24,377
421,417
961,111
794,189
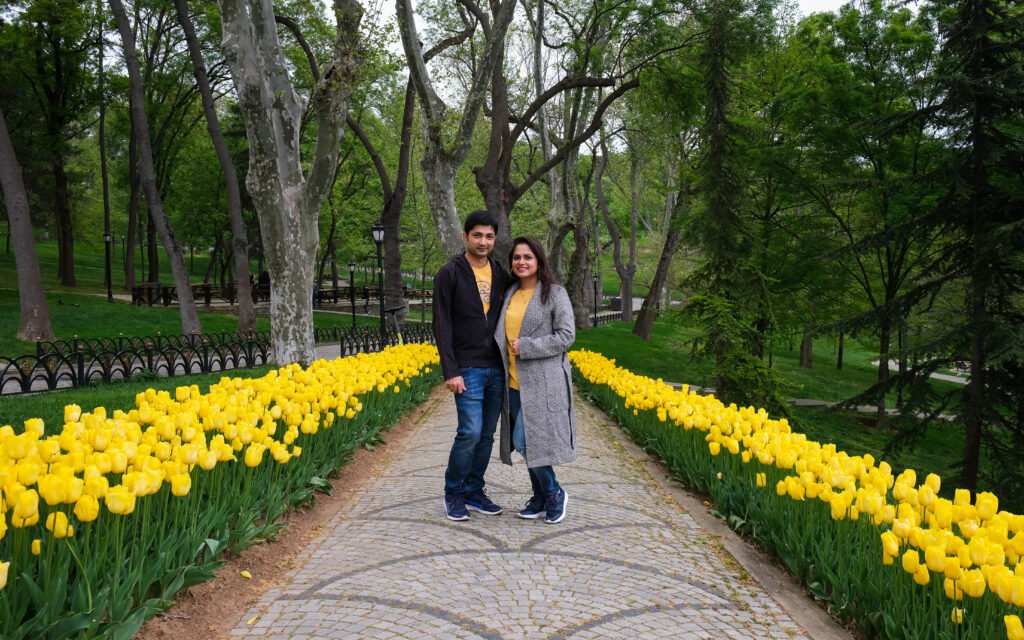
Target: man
468,294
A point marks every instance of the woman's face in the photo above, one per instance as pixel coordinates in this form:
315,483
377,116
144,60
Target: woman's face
524,262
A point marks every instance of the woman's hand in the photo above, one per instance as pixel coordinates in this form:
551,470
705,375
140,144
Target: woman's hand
515,347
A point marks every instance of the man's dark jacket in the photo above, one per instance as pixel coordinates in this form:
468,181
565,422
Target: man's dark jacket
465,336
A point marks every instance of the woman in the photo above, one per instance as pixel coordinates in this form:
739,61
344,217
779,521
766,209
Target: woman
535,329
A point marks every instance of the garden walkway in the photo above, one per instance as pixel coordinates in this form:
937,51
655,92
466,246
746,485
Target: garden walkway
635,558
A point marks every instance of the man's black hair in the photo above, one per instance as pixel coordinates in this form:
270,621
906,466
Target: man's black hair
481,218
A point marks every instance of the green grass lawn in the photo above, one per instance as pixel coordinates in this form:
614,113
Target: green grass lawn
667,356
94,317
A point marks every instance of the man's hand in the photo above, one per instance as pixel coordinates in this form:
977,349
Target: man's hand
455,384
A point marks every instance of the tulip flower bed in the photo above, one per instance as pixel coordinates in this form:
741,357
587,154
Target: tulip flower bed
884,552
104,519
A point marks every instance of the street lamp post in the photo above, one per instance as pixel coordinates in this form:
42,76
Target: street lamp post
107,238
352,289
378,238
124,254
595,299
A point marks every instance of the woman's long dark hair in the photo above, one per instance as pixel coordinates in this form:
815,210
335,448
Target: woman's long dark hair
544,273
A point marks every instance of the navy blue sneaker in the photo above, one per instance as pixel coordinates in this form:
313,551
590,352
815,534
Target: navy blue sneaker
455,507
479,502
555,506
534,509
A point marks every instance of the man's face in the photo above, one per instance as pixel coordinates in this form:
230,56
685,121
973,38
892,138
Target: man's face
480,240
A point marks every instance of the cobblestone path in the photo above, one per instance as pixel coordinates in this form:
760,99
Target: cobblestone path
627,562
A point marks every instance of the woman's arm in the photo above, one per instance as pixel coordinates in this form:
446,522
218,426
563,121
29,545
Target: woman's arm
563,326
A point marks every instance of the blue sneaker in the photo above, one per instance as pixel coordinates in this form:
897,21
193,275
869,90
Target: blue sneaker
555,506
479,502
455,507
534,509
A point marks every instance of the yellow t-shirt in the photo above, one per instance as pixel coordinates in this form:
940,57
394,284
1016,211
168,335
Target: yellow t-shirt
483,285
513,325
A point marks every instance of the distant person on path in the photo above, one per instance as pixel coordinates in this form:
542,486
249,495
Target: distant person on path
535,330
468,292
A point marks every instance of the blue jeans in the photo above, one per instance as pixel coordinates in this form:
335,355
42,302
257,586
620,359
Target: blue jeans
542,479
479,408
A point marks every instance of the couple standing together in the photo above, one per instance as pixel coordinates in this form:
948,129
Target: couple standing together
503,343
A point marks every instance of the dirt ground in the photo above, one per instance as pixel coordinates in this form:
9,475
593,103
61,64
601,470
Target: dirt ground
210,610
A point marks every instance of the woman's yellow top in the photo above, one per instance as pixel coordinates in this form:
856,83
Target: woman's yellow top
513,324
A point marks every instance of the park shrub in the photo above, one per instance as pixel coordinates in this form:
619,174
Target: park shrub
103,521
882,550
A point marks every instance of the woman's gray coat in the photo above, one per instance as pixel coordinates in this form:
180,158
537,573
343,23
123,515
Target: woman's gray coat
545,379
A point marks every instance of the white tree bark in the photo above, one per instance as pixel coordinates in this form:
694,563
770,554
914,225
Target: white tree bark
287,200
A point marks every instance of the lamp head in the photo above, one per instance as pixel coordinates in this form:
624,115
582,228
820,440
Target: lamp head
378,232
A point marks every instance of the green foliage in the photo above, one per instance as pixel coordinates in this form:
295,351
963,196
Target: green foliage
740,378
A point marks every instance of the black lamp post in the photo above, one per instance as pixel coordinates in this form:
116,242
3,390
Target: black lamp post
124,254
595,299
107,239
378,238
352,289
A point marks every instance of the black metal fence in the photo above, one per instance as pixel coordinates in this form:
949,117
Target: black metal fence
81,362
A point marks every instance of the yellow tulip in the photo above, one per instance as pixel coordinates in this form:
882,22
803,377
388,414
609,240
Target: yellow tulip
957,615
987,505
1014,629
890,543
921,576
87,508
973,583
120,500
254,455
5,567
57,523
935,558
181,484
911,561
952,569
37,547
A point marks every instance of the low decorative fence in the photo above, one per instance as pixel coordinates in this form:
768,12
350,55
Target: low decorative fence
81,362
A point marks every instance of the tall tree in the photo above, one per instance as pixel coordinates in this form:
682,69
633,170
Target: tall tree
874,165
53,43
35,315
448,134
158,217
286,198
239,234
982,81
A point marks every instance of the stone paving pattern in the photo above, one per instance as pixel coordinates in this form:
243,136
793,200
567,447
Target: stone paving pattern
627,562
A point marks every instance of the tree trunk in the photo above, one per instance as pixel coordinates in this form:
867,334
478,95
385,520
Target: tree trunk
648,311
439,183
152,255
108,237
186,303
35,315
287,200
65,232
133,213
883,368
839,350
806,346
239,234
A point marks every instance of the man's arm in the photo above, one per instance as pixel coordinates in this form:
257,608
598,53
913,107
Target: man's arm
442,325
